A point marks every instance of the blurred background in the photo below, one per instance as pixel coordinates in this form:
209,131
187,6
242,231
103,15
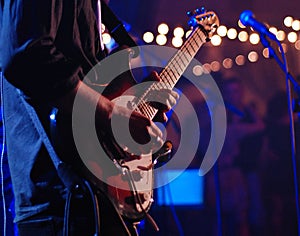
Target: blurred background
251,189
237,52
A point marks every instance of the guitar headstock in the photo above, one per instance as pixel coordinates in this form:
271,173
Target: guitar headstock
207,20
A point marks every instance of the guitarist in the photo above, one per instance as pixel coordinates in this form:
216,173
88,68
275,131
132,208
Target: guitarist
47,47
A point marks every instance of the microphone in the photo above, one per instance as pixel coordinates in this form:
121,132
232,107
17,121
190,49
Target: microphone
247,18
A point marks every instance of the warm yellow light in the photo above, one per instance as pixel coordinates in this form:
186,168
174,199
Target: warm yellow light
222,30
227,63
161,39
178,32
215,66
280,35
292,37
288,20
216,40
163,28
240,24
284,47
240,60
177,42
254,38
243,36
102,28
273,30
231,33
197,70
106,38
187,34
297,45
253,56
148,37
296,25
266,53
206,68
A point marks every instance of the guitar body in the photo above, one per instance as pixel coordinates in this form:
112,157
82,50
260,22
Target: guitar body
131,190
129,184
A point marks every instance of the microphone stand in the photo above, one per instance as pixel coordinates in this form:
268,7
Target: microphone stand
216,171
289,78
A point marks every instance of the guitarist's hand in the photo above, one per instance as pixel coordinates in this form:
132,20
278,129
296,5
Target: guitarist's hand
167,99
142,130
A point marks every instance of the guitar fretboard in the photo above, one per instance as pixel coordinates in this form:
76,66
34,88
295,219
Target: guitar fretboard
173,71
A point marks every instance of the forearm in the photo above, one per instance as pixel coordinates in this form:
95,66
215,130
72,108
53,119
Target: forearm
88,99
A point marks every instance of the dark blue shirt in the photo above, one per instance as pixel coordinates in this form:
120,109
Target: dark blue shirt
46,48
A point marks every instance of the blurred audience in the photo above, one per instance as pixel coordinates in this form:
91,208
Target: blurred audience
240,185
278,183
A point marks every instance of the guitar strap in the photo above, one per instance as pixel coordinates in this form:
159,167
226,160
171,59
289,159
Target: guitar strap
117,29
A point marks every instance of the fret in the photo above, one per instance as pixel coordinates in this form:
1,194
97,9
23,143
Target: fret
186,51
193,46
184,58
173,71
168,79
170,74
146,109
189,53
179,64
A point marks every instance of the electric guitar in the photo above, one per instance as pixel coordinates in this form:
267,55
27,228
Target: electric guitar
130,187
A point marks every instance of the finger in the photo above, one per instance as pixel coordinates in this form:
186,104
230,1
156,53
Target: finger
155,131
170,101
153,77
163,93
164,104
137,117
157,140
171,92
160,117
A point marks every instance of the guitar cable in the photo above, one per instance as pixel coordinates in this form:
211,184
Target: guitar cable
147,215
95,207
96,212
87,186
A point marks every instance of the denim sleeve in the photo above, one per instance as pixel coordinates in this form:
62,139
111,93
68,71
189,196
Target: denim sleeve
31,59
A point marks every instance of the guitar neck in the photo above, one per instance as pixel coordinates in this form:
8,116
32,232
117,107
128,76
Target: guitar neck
174,70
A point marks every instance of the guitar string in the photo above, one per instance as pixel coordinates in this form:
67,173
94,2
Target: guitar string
167,74
188,48
174,67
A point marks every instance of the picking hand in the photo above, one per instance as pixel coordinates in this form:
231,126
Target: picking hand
146,136
165,98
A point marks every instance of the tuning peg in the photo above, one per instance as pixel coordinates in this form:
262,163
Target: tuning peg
201,10
192,22
189,13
